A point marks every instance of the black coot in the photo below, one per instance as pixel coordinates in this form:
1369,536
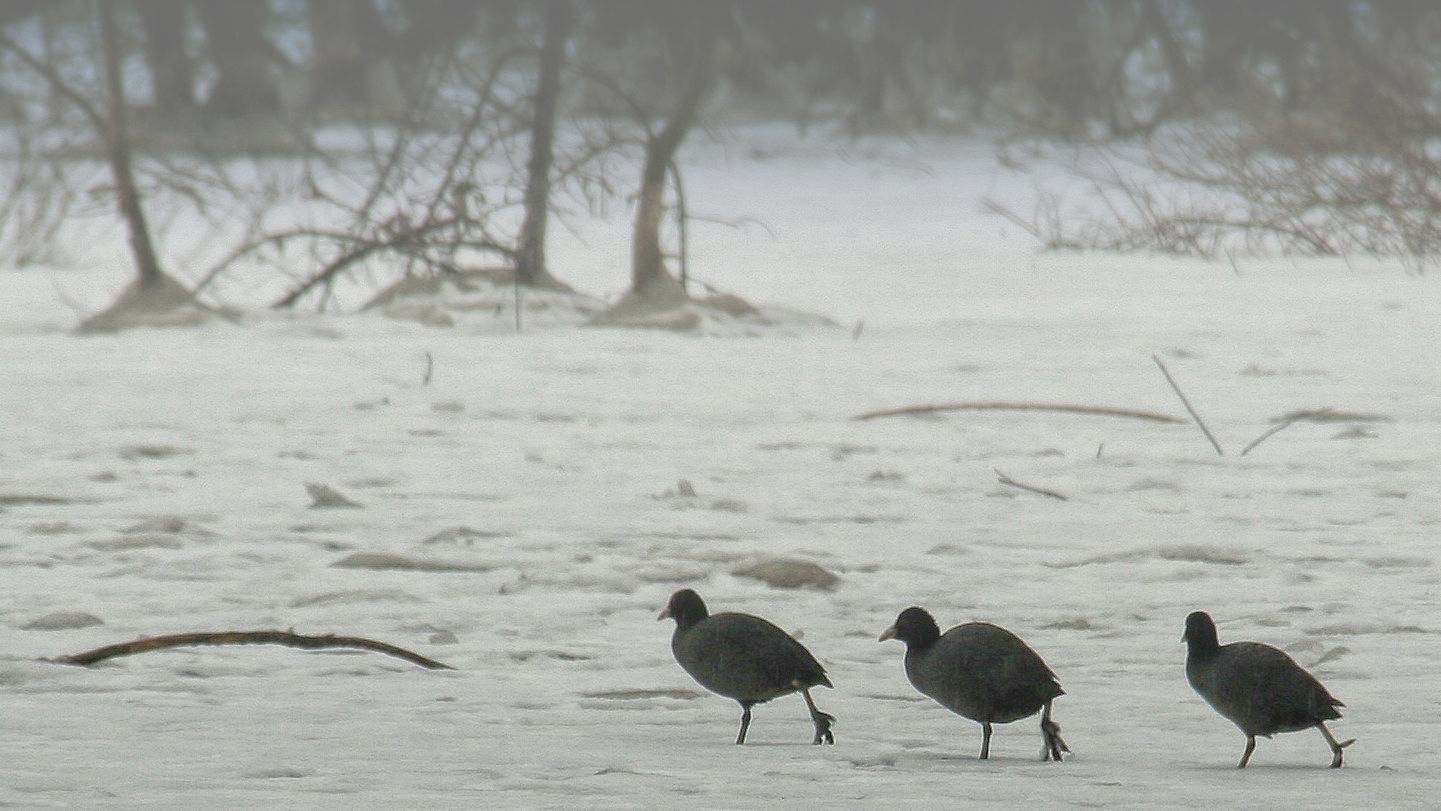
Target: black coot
745,658
1257,687
982,672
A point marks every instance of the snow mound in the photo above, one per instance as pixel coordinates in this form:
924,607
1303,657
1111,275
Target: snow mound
789,573
63,621
161,304
483,302
717,314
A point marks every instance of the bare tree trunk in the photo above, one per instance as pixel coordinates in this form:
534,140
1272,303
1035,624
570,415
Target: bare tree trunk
342,60
434,27
1227,29
530,269
171,71
117,148
54,101
153,298
237,46
649,277
1154,19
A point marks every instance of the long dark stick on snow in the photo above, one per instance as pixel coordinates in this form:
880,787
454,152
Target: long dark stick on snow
285,638
1187,403
1004,479
1099,411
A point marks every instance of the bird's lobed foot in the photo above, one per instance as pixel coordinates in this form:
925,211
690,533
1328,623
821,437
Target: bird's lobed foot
1336,755
823,721
1055,745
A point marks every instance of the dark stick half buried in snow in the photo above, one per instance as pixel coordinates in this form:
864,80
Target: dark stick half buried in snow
982,672
1257,687
744,658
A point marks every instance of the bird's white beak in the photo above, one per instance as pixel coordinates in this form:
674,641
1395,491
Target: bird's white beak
664,614
889,633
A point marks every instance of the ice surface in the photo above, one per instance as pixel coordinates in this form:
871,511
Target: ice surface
519,520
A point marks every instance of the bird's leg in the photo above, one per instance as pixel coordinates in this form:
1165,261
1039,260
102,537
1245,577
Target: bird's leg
1250,747
1051,744
1335,747
985,740
745,722
822,720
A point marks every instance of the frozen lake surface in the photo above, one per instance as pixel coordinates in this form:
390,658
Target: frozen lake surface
156,482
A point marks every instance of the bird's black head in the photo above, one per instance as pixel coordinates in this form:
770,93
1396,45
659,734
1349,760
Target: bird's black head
1200,633
686,608
915,627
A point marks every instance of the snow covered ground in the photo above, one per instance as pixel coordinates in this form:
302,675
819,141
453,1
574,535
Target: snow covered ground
156,481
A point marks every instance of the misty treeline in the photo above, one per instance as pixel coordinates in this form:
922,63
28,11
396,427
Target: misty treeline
334,142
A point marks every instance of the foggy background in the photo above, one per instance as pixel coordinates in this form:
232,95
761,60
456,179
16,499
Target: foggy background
282,154
475,330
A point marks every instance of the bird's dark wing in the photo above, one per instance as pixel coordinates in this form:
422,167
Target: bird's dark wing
1268,690
745,656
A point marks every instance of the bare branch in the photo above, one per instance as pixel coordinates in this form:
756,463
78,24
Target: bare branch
1187,403
1287,186
365,248
1099,411
1277,428
286,638
59,84
1007,480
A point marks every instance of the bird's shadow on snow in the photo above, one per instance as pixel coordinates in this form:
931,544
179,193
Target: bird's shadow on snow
912,756
1219,768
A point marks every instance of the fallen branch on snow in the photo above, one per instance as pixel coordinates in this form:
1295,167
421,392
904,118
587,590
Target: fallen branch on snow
1100,411
1330,415
1292,418
285,638
1004,479
1187,403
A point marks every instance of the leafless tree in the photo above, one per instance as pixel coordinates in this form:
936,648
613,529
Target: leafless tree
153,292
1212,189
172,70
530,266
245,85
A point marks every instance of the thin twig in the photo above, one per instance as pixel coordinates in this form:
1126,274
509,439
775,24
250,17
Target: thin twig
737,223
429,369
1100,411
1266,435
1187,403
286,638
1004,479
1278,427
65,297
59,84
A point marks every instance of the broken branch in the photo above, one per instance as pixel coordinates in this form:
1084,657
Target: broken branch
1004,479
1187,403
285,638
1101,411
1295,416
